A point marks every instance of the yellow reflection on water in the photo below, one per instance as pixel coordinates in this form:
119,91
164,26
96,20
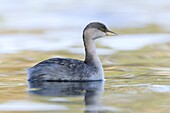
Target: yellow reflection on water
136,80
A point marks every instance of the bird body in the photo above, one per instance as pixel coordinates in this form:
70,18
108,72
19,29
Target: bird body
66,69
60,69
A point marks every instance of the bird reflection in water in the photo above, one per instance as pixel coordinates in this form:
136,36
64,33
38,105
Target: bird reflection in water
91,91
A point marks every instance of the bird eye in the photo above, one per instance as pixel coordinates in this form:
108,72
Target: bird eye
102,29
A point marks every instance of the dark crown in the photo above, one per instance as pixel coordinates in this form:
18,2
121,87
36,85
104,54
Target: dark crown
97,25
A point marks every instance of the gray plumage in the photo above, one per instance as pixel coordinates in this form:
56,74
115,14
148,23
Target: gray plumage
61,69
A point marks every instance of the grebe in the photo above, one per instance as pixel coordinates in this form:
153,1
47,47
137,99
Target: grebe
66,69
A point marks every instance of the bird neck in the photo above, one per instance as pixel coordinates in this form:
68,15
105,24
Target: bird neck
91,56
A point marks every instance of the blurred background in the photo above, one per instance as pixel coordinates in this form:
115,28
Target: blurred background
136,62
56,24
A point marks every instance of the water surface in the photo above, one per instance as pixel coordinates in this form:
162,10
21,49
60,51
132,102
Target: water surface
136,62
136,81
